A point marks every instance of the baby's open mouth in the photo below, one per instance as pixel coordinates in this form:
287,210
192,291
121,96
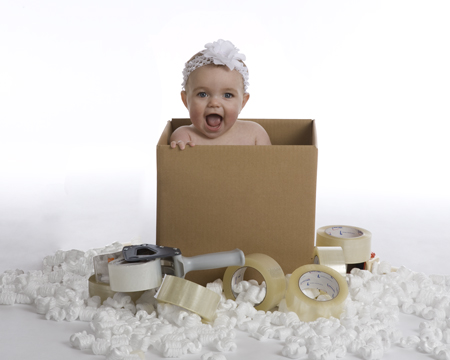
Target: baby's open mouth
214,121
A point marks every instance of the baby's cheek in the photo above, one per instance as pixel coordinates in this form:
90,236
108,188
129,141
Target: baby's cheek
234,114
194,116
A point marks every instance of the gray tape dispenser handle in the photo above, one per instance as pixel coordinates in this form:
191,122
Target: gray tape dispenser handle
211,261
182,264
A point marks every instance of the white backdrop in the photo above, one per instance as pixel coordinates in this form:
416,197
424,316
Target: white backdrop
87,86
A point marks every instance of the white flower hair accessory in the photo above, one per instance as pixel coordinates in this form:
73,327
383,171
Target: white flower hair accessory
220,52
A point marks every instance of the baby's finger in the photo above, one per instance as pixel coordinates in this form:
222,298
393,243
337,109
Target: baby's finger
191,143
181,144
173,144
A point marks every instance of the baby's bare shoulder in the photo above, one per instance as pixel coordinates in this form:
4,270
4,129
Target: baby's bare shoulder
182,133
255,129
248,126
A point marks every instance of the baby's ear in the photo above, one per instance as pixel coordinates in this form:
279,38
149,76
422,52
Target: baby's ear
184,98
245,99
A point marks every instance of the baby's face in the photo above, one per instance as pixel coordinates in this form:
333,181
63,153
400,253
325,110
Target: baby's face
214,97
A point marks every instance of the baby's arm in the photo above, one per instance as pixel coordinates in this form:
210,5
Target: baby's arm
181,137
261,136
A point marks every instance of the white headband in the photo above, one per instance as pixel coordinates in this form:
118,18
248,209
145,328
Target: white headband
220,52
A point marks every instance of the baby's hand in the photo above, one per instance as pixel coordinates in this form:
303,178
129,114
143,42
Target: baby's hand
181,144
181,137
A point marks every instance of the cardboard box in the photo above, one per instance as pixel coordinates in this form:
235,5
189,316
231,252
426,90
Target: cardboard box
260,199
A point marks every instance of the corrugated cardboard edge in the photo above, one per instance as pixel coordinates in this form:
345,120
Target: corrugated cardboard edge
169,128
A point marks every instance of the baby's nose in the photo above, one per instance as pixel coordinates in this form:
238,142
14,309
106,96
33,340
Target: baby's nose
213,101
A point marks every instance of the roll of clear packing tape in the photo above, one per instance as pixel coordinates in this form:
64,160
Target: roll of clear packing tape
271,272
355,242
134,276
331,256
188,295
316,277
104,290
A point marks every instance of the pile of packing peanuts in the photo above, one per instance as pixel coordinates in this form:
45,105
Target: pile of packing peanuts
121,329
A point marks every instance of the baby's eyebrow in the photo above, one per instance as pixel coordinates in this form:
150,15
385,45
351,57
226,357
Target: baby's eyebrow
206,89
229,89
200,88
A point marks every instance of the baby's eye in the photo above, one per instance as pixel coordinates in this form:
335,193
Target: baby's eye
201,94
228,95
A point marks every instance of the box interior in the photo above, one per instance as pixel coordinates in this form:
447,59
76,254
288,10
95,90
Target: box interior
281,131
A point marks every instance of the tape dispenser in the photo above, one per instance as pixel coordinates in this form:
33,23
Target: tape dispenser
141,267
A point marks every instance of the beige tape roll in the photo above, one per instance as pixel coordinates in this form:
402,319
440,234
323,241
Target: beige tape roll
353,240
317,277
134,276
188,295
331,256
104,290
270,270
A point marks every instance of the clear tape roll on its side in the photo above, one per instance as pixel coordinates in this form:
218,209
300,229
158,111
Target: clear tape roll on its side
316,277
269,269
188,295
355,242
134,276
331,256
104,290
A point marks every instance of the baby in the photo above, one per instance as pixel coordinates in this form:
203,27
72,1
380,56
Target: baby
214,92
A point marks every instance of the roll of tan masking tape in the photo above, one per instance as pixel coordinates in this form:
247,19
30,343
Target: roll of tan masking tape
322,278
270,270
134,276
104,290
353,240
188,295
331,256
